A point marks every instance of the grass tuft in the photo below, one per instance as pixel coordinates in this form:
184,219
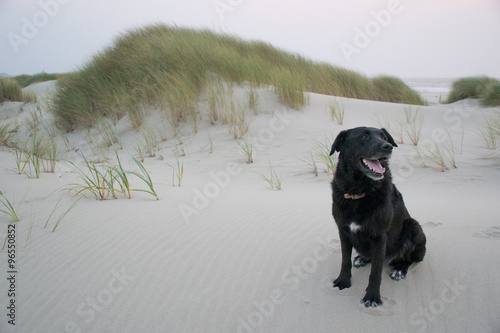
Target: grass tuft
490,131
337,110
8,209
177,172
246,149
322,150
480,87
107,181
273,179
414,121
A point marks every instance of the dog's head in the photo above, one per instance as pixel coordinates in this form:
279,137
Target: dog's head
365,148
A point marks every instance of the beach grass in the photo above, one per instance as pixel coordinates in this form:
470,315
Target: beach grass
7,132
479,87
10,90
321,149
414,121
64,213
491,95
8,209
246,149
337,110
311,162
490,131
273,179
25,80
107,181
167,67
177,172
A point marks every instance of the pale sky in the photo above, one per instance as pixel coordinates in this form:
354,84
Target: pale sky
405,38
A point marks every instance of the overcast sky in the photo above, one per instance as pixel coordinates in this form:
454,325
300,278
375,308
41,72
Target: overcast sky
406,38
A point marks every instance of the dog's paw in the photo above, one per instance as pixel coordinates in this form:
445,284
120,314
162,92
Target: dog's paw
398,274
360,261
371,301
342,283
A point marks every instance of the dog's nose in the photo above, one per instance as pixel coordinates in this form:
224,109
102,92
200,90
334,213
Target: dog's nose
386,146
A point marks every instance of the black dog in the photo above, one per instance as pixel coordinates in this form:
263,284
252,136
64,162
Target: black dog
370,212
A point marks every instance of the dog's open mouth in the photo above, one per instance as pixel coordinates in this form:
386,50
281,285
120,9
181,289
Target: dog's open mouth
373,168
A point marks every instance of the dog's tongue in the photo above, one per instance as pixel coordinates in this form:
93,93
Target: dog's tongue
375,165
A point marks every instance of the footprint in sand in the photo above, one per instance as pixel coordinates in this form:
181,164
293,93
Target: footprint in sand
387,309
431,224
327,287
489,233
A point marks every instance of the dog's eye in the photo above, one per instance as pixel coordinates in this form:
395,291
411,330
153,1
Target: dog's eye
365,137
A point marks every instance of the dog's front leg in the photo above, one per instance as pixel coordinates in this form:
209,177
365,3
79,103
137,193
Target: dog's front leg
372,296
344,279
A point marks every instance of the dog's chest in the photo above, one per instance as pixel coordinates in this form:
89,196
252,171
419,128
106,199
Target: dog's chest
355,227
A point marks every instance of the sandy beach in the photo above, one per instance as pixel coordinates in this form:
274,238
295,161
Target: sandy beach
224,252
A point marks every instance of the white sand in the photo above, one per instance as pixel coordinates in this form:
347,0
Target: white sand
251,259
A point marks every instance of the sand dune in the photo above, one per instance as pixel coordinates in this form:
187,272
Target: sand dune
224,253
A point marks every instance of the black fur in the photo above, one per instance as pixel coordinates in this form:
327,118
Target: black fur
383,229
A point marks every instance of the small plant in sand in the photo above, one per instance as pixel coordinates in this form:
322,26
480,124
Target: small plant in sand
253,100
414,121
50,149
436,153
63,214
51,154
238,122
7,208
34,155
177,172
337,110
490,131
273,179
34,119
322,150
107,181
311,162
150,141
98,182
144,176
449,147
18,155
246,149
399,132
140,152
123,181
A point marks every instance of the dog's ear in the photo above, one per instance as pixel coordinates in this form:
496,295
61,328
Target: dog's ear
338,144
389,137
